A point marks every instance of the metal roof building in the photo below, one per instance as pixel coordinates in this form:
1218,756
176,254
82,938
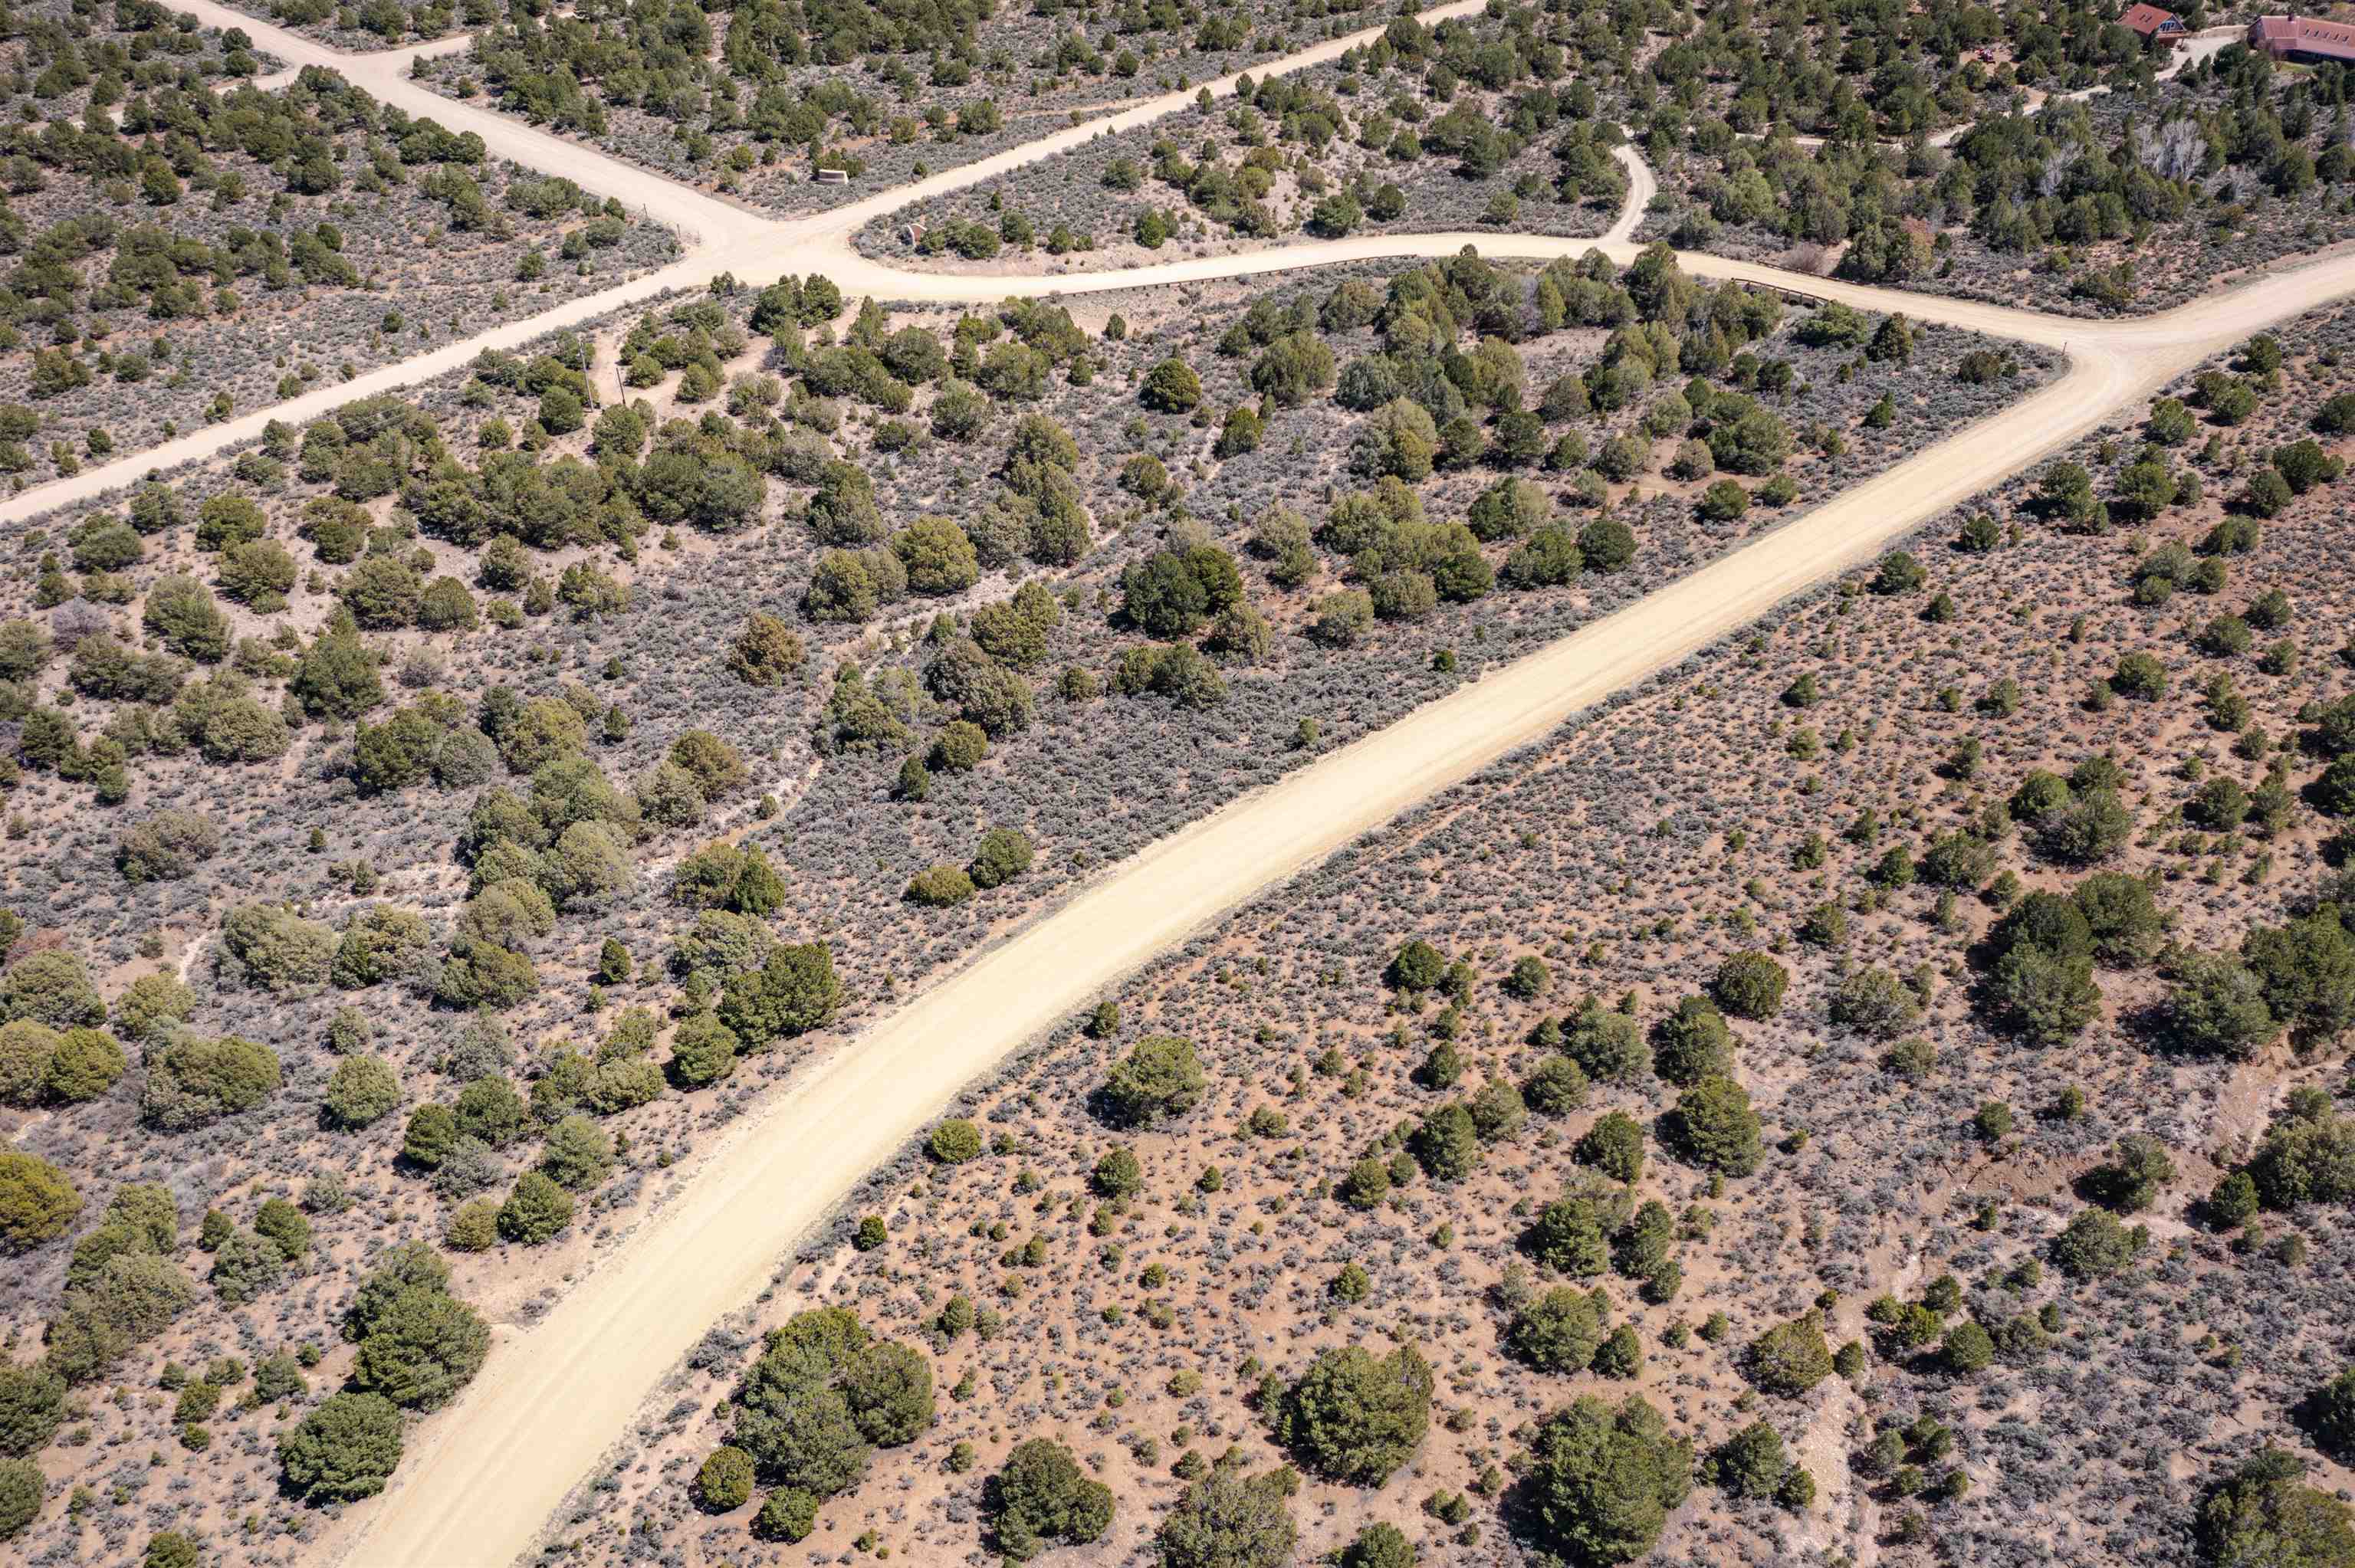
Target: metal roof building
2303,39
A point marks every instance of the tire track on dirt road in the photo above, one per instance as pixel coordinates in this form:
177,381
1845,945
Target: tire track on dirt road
483,1476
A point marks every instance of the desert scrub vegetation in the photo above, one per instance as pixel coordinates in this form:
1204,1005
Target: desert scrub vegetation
372,24
2131,201
184,253
751,100
1848,74
1816,1141
1473,123
456,808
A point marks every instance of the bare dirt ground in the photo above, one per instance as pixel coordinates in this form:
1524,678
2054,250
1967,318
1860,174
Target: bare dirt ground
489,1471
545,1408
1137,1332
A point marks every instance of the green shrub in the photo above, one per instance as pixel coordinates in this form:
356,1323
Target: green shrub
1750,985
361,1091
1041,1498
37,1202
1557,1332
53,987
938,886
421,1349
793,992
22,1488
1160,1077
2094,1245
702,1051
537,1210
725,1481
1004,856
32,1408
345,1449
788,1514
1229,1521
1354,1417
1790,1358
193,1082
1603,1481
955,1142
1713,1127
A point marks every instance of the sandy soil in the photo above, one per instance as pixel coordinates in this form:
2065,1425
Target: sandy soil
545,1407
487,1474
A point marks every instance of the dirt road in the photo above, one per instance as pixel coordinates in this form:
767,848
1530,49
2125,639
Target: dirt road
550,1400
483,1476
2191,52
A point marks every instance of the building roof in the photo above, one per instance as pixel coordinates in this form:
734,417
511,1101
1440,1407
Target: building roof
2303,35
2149,20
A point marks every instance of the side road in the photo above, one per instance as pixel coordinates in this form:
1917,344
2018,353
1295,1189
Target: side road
487,1475
716,236
535,1424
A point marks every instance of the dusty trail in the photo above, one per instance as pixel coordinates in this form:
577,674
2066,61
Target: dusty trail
483,1477
2198,47
536,1420
716,236
1642,186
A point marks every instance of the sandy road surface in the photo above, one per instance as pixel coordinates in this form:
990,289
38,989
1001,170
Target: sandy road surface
2193,50
1642,186
535,1422
483,1476
716,235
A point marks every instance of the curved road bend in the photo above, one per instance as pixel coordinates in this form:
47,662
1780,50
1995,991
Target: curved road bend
487,1475
535,1422
716,235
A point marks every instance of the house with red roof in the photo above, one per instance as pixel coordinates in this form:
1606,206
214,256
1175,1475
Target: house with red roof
2302,40
2158,29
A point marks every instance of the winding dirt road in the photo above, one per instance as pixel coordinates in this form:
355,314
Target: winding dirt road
552,1398
483,1476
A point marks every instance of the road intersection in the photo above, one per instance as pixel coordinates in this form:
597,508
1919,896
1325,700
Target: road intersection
485,1475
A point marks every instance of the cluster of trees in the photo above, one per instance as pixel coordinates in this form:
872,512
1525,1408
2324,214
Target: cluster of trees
2263,1512
2298,976
1435,406
1856,75
1037,513
822,1396
774,80
756,86
418,1345
149,129
2023,183
147,44
458,1146
2307,1155
390,20
1445,92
